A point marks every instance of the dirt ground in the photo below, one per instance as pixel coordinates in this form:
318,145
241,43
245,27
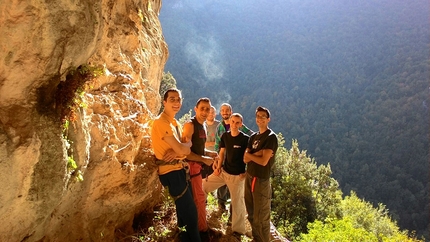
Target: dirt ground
161,226
217,220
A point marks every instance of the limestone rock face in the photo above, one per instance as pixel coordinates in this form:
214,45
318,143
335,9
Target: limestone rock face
42,197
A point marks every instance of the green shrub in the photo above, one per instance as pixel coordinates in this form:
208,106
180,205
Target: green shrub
360,222
336,230
302,191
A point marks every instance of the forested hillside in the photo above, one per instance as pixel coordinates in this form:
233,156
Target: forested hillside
348,79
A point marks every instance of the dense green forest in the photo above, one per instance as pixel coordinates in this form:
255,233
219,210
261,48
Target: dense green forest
348,79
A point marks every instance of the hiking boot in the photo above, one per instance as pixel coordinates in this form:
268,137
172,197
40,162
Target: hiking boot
210,234
221,207
237,235
214,233
204,236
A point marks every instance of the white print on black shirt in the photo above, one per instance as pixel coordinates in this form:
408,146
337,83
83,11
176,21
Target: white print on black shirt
255,144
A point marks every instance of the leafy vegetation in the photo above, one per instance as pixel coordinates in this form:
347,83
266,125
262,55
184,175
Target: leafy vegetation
162,224
307,204
337,230
302,191
167,82
69,96
70,92
360,222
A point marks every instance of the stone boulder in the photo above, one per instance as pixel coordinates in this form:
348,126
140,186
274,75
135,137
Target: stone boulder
86,180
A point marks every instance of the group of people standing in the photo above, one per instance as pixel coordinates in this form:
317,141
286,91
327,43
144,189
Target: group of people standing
240,159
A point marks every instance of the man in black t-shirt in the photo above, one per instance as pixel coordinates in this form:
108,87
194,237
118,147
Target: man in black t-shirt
260,157
230,171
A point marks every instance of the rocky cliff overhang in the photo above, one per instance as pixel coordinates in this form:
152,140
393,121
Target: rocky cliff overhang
119,46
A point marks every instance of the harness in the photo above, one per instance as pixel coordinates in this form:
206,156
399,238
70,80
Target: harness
194,175
187,174
199,173
163,163
182,193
